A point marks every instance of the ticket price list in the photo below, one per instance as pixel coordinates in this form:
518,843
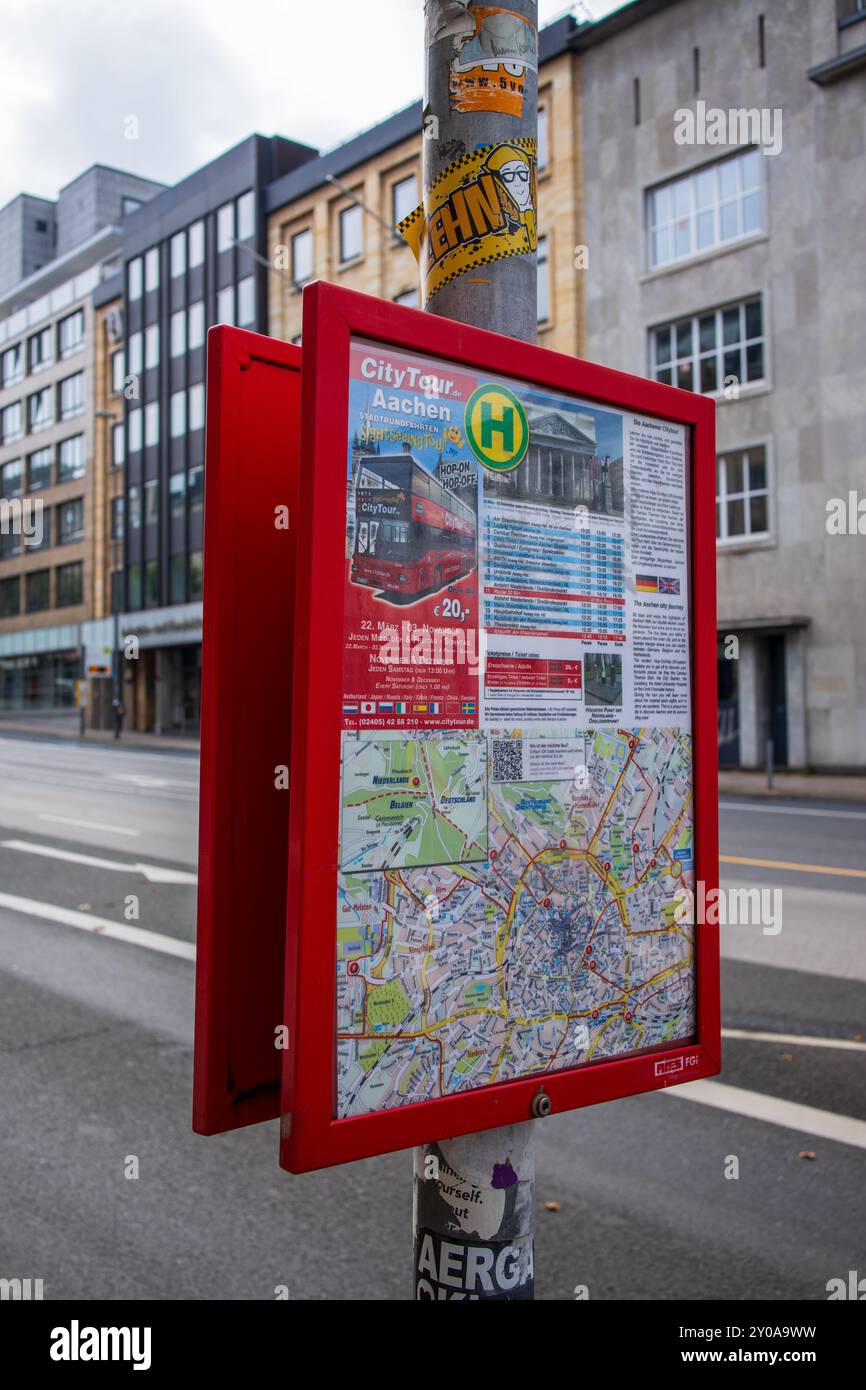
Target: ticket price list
545,578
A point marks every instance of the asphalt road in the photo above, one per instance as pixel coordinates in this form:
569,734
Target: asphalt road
96,1034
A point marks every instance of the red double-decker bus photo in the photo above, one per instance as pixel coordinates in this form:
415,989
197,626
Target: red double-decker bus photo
412,535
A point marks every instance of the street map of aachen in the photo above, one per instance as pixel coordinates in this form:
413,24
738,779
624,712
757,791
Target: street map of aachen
515,835
554,945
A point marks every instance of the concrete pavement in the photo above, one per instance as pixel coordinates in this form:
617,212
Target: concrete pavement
95,1036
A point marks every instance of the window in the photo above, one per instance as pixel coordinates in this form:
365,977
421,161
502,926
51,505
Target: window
117,445
69,585
151,584
72,396
135,430
246,301
246,215
40,410
40,349
226,305
134,586
195,487
742,495
151,269
543,281
118,371
225,226
70,459
11,478
39,466
196,574
409,298
176,493
43,542
178,254
178,578
134,353
404,198
151,501
151,424
302,256
118,506
178,414
195,325
712,206
543,146
134,281
71,333
178,333
12,368
128,205
10,544
10,597
709,351
134,513
11,423
38,591
351,233
195,412
196,244
70,521
151,345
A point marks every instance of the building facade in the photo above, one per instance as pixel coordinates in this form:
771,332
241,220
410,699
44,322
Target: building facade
739,269
335,217
49,584
193,257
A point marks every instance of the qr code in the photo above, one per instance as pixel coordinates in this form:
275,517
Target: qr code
506,759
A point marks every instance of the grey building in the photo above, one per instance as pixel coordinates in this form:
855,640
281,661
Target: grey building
193,257
50,585
739,269
28,237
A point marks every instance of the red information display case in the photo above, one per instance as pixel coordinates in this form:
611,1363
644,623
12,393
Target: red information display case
503,735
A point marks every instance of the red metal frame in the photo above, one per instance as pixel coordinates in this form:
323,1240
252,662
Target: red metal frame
253,408
310,1135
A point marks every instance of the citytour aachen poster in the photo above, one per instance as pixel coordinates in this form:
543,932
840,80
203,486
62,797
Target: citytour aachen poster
516,833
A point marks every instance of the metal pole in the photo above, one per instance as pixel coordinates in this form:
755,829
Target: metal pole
473,1207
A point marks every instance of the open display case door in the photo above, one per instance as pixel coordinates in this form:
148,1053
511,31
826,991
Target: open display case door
251,518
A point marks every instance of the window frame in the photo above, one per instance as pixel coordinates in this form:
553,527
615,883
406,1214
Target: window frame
689,178
78,343
351,209
293,239
74,565
747,540
718,352
65,412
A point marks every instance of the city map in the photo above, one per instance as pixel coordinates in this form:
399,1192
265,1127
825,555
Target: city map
491,928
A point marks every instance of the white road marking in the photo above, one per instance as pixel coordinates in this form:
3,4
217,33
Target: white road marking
793,1039
805,1119
100,926
91,825
155,873
790,810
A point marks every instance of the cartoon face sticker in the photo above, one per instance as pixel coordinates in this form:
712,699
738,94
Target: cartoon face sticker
513,171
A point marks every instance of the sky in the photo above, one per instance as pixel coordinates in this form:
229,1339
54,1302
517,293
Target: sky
198,76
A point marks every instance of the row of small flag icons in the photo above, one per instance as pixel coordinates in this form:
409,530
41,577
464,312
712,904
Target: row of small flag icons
447,707
656,584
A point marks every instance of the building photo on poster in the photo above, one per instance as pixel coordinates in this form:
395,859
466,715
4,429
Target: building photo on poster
516,821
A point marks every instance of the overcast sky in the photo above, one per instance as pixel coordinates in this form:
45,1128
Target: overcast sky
199,75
